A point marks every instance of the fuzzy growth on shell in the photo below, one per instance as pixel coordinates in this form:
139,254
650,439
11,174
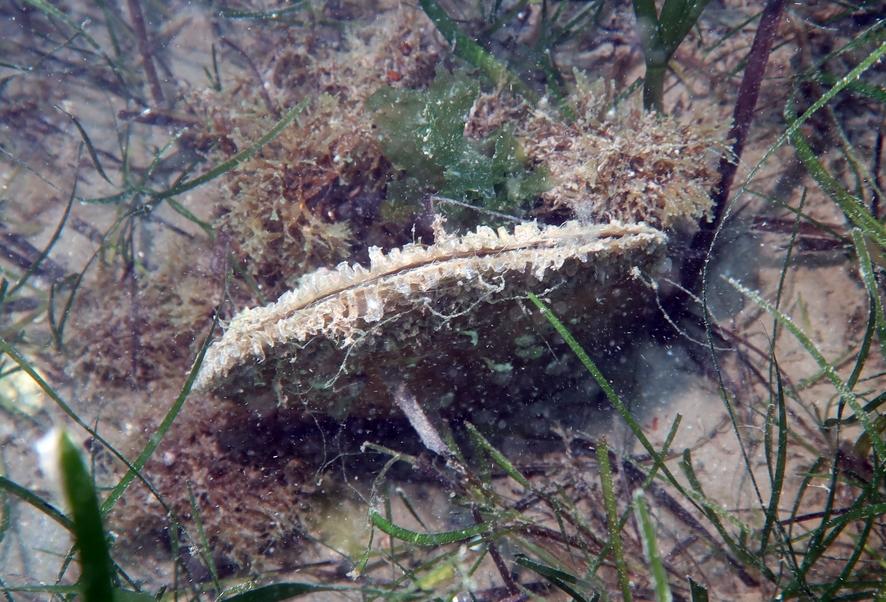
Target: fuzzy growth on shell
626,164
608,163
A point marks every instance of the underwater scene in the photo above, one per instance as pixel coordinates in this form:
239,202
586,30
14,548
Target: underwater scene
457,300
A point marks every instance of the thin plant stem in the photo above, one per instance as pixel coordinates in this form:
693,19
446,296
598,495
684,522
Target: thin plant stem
742,115
144,47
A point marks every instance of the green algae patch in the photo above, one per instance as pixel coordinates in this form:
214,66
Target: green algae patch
422,133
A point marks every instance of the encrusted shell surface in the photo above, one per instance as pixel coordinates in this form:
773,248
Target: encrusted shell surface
412,298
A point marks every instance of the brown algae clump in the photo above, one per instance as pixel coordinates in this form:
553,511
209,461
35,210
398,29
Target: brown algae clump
625,163
308,197
132,325
608,162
